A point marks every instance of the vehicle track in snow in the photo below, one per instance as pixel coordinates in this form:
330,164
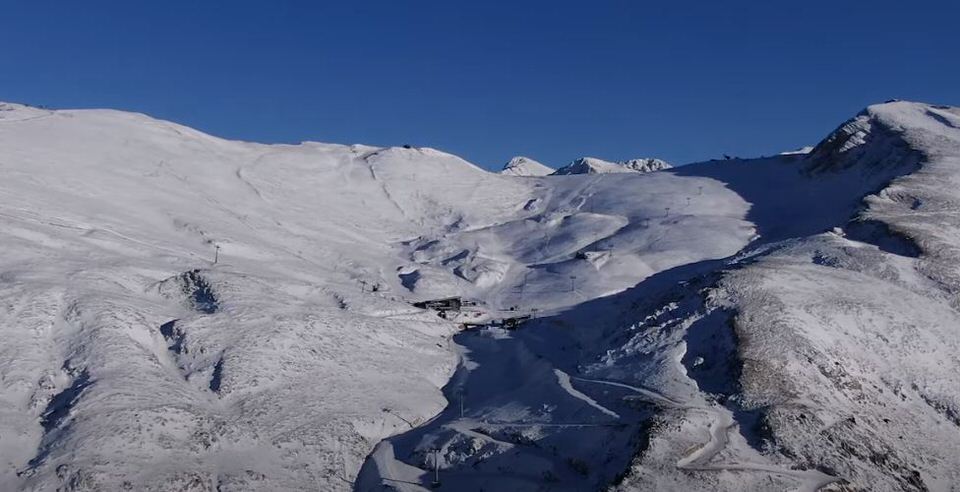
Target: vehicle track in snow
383,186
241,177
564,380
47,114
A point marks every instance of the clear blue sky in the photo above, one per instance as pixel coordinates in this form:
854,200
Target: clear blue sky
487,80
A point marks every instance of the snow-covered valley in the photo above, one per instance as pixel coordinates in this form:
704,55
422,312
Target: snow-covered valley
183,312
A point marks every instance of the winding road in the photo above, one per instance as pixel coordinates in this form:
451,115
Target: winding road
484,448
723,423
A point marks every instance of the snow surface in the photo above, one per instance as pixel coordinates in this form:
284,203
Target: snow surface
767,324
525,166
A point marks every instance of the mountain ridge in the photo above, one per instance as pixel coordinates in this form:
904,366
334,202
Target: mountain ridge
593,165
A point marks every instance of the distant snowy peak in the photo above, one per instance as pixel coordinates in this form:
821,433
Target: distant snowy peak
645,165
525,166
801,151
592,165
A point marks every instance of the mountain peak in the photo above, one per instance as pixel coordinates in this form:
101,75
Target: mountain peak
593,165
645,164
874,138
525,166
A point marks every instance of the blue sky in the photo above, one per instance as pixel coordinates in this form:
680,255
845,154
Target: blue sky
554,80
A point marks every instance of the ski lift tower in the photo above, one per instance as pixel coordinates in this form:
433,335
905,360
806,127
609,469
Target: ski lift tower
436,469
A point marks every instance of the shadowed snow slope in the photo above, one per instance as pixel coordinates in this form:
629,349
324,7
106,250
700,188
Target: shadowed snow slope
743,324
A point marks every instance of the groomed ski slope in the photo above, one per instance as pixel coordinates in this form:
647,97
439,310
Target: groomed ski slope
284,368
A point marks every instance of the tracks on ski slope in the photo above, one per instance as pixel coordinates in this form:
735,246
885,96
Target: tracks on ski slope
564,380
383,186
28,118
723,423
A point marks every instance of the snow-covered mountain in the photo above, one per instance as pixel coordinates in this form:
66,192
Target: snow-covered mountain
592,165
183,312
525,166
645,165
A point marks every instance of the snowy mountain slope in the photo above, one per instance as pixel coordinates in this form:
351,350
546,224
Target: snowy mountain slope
810,359
99,209
726,325
592,165
126,346
839,348
525,166
607,239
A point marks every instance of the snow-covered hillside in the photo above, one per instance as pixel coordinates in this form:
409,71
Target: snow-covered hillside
819,356
525,166
758,324
592,165
821,349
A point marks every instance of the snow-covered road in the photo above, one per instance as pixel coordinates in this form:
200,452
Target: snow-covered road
524,422
508,398
722,424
